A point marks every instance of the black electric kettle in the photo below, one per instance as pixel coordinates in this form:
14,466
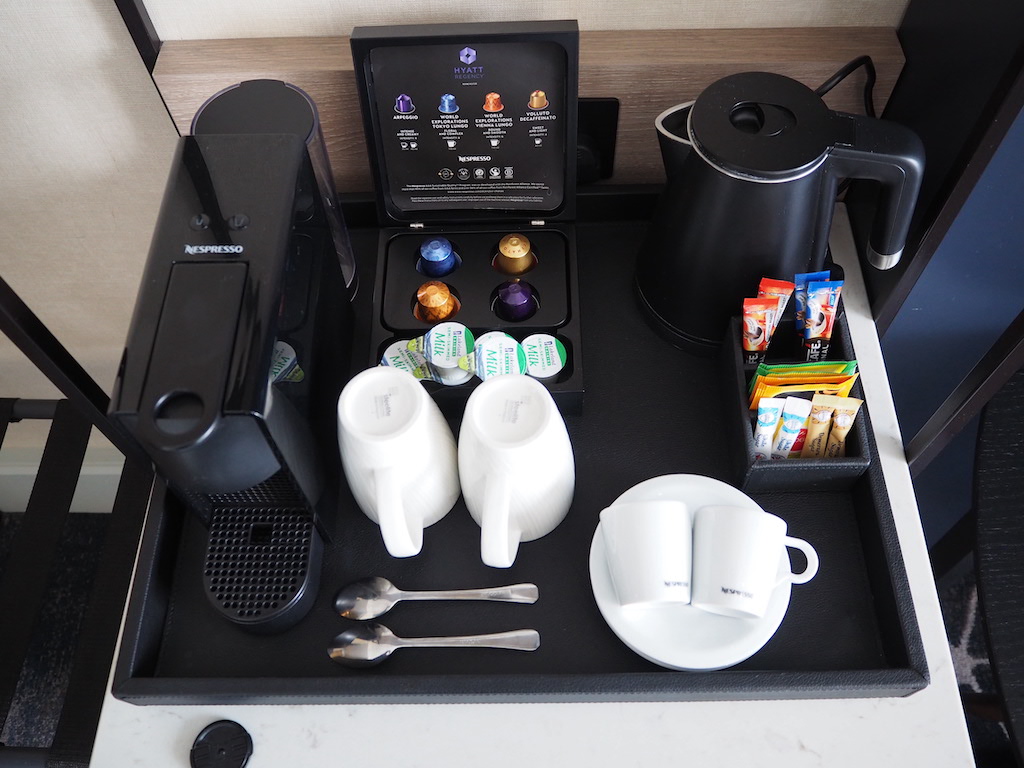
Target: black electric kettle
753,168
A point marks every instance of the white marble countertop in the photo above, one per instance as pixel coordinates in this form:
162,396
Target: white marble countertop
926,728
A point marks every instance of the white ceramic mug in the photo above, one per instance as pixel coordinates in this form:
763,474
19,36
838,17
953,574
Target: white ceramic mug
399,455
515,464
739,558
648,549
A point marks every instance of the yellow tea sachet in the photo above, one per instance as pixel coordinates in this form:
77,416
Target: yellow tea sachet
803,371
839,388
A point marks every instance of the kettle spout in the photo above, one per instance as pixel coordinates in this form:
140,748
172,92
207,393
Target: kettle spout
673,137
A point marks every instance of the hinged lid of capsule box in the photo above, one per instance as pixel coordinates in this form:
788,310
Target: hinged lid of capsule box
470,122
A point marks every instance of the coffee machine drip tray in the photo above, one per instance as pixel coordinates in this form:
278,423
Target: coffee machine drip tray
262,565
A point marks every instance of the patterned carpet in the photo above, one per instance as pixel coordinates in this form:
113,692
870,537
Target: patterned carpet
966,634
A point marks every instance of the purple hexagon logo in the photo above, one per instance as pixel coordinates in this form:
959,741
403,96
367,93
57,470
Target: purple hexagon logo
467,55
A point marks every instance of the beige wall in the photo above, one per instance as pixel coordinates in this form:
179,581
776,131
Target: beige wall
214,19
85,144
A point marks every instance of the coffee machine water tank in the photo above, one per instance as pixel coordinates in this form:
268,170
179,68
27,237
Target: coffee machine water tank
273,106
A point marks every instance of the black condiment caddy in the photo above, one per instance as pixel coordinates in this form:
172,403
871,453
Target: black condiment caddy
754,475
471,130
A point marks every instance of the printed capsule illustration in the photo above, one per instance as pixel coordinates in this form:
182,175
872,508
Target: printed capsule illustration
448,104
492,102
404,105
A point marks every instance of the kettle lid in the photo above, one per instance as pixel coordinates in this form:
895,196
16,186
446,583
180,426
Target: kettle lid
761,126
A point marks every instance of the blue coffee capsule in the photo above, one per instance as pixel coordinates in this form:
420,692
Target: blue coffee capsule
448,104
437,257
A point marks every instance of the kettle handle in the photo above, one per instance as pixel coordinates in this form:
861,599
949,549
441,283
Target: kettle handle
893,155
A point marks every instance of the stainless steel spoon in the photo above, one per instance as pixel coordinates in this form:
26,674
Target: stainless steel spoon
373,597
367,644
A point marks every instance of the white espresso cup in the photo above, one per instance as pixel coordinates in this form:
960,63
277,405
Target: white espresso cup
739,558
647,546
515,464
398,454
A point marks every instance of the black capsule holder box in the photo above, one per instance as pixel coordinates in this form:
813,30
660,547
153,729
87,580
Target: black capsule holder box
755,475
502,163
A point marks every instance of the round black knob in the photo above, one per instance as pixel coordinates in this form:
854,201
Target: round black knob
223,744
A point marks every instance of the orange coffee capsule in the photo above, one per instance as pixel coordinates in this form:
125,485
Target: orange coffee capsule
435,302
492,102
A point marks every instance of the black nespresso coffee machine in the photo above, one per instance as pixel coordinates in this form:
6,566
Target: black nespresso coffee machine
230,365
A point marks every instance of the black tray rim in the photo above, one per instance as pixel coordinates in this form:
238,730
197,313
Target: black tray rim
130,684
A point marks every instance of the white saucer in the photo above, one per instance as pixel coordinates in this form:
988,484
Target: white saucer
681,636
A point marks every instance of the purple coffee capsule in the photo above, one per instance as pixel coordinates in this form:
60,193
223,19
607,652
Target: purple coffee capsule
403,104
516,301
437,257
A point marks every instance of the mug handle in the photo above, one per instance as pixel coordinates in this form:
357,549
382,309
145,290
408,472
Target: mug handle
401,538
499,545
807,573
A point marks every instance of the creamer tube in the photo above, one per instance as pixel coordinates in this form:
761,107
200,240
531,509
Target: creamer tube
769,412
842,422
822,407
794,422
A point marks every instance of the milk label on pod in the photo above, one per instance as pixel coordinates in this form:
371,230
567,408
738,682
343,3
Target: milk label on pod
496,353
444,346
399,355
545,355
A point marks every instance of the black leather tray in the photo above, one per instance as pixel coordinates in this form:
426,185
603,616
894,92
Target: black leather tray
851,632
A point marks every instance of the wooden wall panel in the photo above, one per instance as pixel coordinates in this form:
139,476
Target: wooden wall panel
648,71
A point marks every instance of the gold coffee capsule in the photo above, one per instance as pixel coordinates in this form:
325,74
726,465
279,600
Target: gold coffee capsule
538,100
435,302
492,102
514,255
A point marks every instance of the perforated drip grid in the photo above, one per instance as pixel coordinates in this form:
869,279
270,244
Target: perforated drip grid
277,491
258,561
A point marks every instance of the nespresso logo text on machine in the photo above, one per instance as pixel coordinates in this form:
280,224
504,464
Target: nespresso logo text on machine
196,250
